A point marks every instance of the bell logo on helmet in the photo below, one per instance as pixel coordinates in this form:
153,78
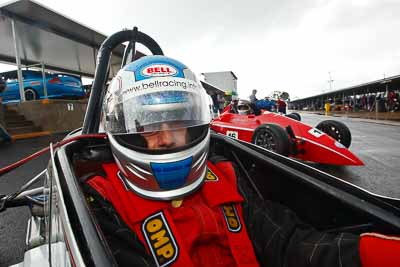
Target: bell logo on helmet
159,70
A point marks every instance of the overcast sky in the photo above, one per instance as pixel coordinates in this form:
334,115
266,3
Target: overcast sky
287,45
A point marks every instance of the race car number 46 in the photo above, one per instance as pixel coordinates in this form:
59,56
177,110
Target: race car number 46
232,134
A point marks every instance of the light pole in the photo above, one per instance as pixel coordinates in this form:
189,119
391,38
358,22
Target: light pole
330,81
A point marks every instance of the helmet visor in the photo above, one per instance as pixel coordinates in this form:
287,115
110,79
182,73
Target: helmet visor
243,107
149,110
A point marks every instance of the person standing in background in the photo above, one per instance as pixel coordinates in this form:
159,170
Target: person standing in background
252,97
281,106
214,97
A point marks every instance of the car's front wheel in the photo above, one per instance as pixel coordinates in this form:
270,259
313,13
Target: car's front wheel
294,115
272,137
30,94
337,130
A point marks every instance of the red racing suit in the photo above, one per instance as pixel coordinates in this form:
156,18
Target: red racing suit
207,230
222,224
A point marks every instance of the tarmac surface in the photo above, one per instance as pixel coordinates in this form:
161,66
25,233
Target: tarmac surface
13,221
376,143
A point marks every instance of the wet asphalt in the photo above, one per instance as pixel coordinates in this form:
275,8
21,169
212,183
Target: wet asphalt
377,145
13,221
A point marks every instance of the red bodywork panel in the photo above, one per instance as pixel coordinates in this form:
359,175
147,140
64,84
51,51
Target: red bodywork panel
312,144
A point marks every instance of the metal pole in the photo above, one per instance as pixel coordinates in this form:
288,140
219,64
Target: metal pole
18,61
33,65
330,81
387,96
343,99
44,81
387,89
322,103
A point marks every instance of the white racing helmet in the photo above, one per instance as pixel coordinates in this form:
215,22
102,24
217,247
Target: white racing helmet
149,97
244,108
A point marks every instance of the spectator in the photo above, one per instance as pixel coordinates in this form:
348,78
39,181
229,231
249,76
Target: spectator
281,106
371,101
396,104
215,101
221,102
391,98
364,102
253,98
234,104
327,107
228,97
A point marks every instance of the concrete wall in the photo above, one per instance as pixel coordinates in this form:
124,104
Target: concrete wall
4,136
56,115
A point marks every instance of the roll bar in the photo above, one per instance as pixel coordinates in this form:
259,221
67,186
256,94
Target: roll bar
92,116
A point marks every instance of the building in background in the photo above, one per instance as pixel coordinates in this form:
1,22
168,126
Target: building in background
225,80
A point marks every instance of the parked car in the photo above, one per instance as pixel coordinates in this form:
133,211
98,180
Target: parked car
59,85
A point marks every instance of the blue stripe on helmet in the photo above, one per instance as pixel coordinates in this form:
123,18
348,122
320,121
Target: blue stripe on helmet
172,175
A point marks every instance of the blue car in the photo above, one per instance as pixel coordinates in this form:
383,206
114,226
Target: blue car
59,85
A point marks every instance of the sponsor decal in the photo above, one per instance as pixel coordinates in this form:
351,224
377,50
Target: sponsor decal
211,176
317,133
34,83
232,134
161,83
159,70
231,218
160,239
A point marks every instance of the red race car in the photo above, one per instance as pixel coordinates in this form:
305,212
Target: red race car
327,143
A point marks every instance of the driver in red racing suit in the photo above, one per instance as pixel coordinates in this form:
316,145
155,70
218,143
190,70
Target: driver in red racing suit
165,201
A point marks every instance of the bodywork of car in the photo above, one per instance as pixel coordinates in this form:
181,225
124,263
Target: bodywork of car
307,143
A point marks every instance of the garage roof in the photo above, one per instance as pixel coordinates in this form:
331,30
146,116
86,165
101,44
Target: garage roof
44,35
